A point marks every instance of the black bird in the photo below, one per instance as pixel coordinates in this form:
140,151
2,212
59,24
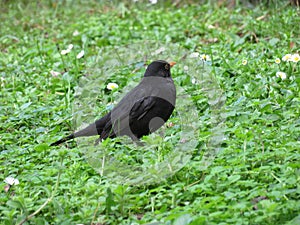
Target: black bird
142,111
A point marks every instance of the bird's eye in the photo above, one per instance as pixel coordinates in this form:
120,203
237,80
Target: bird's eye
167,66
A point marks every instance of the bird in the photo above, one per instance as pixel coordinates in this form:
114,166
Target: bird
142,111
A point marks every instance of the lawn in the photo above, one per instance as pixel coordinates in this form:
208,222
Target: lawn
228,155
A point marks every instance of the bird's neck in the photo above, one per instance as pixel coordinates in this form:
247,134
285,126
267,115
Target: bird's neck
150,73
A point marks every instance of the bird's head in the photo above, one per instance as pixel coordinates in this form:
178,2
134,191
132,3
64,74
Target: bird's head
159,68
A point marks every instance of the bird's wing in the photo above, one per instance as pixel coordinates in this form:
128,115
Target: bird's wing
119,117
121,125
141,107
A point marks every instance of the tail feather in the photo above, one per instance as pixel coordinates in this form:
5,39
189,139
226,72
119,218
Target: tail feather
91,130
71,136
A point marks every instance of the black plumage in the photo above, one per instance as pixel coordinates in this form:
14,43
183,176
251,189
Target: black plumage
142,111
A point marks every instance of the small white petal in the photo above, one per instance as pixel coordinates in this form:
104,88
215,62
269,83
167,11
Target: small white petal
70,47
16,182
76,33
11,181
64,52
54,73
153,1
80,54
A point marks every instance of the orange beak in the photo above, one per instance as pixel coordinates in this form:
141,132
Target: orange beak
172,63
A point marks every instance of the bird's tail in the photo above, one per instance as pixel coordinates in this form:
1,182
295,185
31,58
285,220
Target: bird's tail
71,136
90,130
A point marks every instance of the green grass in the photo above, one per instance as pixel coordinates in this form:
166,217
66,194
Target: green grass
254,179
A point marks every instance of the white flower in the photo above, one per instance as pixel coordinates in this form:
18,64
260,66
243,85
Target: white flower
80,54
75,33
244,62
282,75
153,1
295,58
211,26
205,57
287,57
112,86
185,68
54,73
277,60
64,52
11,181
70,46
194,55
